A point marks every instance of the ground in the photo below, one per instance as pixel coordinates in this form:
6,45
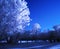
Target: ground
31,45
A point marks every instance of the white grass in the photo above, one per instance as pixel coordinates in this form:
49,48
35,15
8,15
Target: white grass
55,47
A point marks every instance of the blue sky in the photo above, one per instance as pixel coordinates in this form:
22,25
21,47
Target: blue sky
44,12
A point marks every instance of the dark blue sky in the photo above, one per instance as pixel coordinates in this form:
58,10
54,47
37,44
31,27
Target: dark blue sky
44,12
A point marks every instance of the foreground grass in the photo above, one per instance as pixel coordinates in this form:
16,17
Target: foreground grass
28,44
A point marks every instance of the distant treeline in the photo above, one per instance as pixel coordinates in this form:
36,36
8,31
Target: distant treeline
29,35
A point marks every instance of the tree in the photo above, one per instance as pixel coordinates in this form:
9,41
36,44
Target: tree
36,27
36,30
57,30
14,15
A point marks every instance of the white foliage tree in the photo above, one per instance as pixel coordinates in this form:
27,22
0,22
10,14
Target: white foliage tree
36,27
14,15
57,28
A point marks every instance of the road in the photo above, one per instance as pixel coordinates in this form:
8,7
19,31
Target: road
31,45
